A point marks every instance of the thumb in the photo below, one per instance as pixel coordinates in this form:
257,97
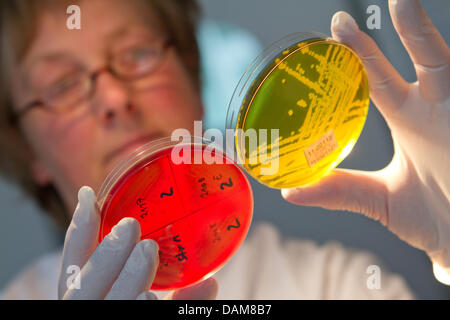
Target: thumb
345,189
81,236
205,290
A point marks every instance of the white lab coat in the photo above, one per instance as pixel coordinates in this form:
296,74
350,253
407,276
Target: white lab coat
265,267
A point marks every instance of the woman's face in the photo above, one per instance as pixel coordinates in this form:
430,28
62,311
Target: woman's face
81,146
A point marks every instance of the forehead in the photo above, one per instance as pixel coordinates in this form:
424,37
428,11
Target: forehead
102,23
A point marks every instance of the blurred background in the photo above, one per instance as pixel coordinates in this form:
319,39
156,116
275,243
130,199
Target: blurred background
231,35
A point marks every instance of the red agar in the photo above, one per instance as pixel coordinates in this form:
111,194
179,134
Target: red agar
199,214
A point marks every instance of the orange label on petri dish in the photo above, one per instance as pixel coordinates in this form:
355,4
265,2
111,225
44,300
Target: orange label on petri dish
199,214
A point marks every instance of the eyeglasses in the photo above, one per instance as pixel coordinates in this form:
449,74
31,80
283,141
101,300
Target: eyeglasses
131,65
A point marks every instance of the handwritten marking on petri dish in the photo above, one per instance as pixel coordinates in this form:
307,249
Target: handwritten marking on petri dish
167,194
234,226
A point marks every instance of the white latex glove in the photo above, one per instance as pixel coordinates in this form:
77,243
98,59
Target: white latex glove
120,267
411,196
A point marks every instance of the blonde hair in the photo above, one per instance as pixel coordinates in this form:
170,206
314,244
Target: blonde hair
18,19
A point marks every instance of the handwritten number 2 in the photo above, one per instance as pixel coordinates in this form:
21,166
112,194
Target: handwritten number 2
234,226
166,193
224,184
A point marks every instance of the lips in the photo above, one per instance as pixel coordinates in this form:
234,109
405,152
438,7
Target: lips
130,146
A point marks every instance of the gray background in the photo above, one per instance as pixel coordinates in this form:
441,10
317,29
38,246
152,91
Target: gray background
25,235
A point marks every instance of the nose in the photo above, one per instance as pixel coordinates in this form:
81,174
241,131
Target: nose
111,98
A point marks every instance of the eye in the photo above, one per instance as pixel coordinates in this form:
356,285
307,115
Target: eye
139,54
63,85
138,59
65,90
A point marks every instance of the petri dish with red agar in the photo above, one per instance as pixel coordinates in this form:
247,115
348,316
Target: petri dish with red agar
189,197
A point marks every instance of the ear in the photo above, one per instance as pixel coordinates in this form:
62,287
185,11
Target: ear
40,173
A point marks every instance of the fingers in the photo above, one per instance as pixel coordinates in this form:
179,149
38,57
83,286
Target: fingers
205,290
81,237
138,273
388,90
103,267
426,47
345,189
147,296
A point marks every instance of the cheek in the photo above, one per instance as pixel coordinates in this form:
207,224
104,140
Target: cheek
176,108
172,101
173,106
64,148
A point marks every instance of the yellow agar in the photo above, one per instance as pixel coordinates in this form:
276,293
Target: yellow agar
316,93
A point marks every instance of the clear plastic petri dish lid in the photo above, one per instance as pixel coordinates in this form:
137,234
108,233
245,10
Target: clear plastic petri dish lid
298,110
195,206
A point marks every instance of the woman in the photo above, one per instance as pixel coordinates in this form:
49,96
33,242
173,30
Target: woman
79,100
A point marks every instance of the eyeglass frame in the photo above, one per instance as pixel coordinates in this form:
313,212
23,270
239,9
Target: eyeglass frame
92,77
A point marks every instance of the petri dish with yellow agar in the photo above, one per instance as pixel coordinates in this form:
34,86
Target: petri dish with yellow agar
298,110
197,210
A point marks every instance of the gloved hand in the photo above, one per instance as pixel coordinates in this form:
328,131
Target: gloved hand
411,196
120,267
